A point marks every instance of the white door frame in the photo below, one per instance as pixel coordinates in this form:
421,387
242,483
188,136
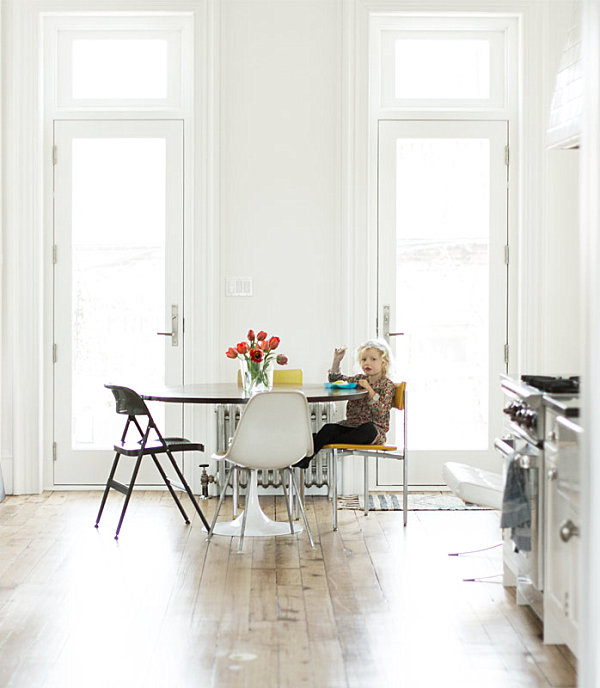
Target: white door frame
496,132
360,23
26,401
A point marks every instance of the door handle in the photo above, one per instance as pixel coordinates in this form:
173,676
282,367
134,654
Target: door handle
386,325
174,333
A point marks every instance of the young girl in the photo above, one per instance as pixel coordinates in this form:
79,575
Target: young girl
368,418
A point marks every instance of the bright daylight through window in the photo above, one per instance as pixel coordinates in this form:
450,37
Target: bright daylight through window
442,68
443,287
118,68
118,275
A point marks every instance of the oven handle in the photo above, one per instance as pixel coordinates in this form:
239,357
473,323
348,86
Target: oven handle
521,433
505,446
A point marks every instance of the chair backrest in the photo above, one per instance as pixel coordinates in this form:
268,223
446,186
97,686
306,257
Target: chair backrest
287,376
273,432
128,402
399,396
283,376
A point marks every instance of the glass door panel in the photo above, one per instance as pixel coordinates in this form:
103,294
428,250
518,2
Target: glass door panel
443,221
118,231
118,273
443,251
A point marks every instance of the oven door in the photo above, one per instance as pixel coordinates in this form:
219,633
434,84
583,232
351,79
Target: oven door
526,567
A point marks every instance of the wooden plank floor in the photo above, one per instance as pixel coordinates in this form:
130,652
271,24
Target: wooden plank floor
373,604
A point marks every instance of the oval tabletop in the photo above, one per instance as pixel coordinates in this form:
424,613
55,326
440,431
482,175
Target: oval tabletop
231,393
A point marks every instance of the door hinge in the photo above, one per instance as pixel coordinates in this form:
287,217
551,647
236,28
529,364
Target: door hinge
54,155
54,254
506,353
53,451
54,353
506,254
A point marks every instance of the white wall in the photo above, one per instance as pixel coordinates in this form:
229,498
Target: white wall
280,176
589,649
2,451
281,110
562,331
276,140
560,335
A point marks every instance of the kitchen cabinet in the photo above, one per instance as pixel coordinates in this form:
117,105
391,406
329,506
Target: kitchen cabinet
562,543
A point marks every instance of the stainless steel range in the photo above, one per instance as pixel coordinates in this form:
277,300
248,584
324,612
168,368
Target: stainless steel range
523,453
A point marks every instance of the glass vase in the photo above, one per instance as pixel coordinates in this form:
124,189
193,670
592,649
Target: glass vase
256,377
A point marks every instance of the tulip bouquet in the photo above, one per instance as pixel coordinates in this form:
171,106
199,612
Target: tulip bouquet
256,356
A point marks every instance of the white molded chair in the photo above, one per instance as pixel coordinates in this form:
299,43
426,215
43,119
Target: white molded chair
281,376
273,433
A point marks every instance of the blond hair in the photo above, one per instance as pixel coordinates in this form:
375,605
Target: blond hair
383,348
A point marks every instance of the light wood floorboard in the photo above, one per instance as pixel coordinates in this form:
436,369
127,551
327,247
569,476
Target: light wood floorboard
373,604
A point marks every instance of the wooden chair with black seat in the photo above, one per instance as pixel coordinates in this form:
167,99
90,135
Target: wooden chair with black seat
152,443
377,451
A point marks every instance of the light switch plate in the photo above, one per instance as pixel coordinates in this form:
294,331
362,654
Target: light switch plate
238,286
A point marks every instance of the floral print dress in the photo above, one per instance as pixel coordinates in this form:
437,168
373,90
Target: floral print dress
365,410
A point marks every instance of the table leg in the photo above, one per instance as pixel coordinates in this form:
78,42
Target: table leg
258,524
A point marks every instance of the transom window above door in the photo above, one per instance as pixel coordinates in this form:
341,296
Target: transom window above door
118,63
441,67
118,68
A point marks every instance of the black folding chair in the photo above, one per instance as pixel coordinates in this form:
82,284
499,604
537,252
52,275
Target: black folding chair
131,404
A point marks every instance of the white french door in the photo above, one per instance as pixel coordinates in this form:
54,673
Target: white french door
442,273
118,281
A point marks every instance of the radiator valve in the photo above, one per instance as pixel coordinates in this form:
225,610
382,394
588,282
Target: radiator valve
205,479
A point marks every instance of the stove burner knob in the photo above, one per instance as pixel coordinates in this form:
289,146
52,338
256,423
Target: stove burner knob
531,419
521,415
513,409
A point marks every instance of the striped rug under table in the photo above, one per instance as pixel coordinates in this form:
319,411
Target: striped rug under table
417,501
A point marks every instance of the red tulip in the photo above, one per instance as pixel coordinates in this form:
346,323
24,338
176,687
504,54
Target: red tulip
231,353
256,355
273,343
242,348
261,335
282,359
250,335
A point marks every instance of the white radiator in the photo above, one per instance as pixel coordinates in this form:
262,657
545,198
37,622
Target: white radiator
316,475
